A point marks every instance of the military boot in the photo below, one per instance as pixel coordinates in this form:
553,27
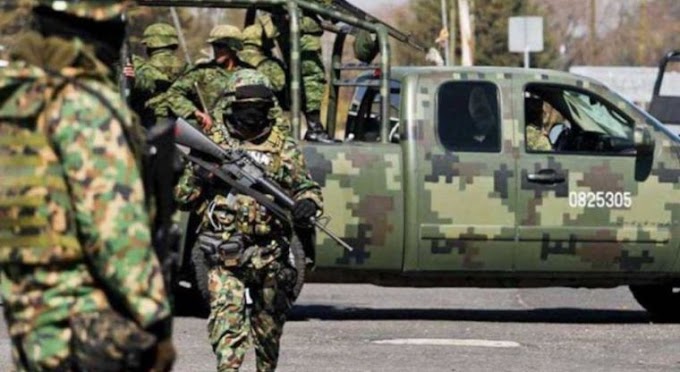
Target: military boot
315,130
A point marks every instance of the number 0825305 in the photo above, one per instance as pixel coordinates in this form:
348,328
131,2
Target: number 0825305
600,199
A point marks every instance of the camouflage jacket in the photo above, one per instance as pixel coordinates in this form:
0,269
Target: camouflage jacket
267,66
537,140
82,134
211,79
226,213
152,79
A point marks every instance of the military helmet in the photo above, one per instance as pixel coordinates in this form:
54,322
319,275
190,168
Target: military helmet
250,99
249,85
160,35
226,35
252,35
98,10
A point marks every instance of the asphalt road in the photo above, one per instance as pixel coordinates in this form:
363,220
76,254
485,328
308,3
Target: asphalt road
367,328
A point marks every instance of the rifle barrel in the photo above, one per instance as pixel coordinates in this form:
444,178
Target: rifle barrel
180,34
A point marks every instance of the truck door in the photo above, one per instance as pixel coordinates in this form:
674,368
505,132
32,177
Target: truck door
461,173
587,201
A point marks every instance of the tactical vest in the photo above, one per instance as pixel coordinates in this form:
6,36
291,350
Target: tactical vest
235,212
37,217
37,220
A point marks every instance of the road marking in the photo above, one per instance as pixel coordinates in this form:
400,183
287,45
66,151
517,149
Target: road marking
446,342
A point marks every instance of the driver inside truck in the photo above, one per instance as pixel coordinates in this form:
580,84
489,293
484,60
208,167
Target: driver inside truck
536,133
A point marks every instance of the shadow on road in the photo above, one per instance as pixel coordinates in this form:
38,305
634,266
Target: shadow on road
555,315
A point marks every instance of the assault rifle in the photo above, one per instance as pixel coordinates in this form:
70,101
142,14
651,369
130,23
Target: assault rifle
346,7
239,170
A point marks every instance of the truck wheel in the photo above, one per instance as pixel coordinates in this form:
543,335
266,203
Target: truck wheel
297,259
661,301
201,276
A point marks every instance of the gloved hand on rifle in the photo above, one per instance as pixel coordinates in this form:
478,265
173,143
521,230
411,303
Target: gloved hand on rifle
303,211
219,251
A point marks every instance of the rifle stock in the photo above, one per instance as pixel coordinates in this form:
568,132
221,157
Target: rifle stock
240,171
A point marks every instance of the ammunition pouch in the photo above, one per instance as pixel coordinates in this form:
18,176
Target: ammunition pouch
285,276
106,341
218,251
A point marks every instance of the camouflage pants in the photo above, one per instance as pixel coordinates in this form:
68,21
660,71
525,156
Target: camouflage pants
57,318
109,346
313,81
230,324
45,349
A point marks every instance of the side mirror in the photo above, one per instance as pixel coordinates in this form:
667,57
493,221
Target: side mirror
644,141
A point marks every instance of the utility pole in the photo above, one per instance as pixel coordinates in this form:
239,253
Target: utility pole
643,37
454,31
445,25
593,31
466,41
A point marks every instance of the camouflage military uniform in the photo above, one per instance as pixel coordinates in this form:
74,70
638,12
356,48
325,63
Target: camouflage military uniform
211,78
537,140
74,233
254,55
154,76
313,72
262,267
536,129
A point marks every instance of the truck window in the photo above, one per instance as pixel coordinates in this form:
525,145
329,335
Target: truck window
364,116
584,122
468,116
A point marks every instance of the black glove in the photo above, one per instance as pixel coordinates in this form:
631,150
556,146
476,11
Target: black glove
304,210
209,243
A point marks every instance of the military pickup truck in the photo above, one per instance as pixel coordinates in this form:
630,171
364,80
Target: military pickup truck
455,196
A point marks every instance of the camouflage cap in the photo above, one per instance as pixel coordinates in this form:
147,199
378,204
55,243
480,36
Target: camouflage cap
226,35
160,35
252,35
98,10
249,85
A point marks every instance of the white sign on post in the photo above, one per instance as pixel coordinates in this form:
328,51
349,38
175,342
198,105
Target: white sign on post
525,34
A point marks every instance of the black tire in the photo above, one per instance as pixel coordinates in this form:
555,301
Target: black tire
297,259
661,301
200,264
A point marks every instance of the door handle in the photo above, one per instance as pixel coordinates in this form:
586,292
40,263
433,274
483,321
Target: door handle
546,176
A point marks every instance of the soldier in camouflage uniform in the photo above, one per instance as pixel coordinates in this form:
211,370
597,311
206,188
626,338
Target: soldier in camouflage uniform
208,78
536,132
247,246
256,53
152,78
81,286
313,72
